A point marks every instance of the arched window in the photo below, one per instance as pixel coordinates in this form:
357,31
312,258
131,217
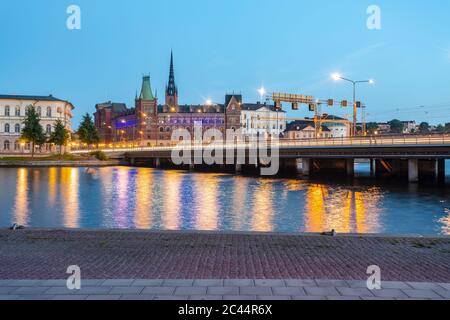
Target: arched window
168,129
49,112
7,127
17,113
161,129
17,128
16,145
6,145
39,111
48,129
7,111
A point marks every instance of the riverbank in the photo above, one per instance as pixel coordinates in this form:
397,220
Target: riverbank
117,254
57,163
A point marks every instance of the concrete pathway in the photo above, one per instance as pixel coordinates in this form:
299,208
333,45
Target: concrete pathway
158,289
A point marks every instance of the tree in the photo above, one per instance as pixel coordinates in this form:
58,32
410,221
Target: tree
440,129
33,131
60,135
447,127
87,131
424,127
396,126
372,127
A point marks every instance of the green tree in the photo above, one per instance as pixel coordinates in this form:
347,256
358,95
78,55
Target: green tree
447,127
372,127
424,127
60,135
396,126
440,129
87,131
33,131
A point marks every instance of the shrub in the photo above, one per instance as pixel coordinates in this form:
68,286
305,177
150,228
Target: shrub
99,155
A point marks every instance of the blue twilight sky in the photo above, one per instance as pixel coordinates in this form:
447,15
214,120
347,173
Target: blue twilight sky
231,45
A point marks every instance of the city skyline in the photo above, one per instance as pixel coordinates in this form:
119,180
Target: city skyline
105,59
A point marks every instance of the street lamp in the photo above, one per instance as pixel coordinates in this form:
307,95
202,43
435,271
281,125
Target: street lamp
262,92
337,77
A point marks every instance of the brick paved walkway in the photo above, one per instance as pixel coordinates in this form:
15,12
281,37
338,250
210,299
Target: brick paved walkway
41,254
220,290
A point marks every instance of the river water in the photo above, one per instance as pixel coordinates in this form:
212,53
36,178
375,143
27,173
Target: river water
143,198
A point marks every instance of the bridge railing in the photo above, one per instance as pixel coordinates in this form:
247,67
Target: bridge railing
406,140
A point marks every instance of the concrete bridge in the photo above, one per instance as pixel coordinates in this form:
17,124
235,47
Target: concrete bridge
411,156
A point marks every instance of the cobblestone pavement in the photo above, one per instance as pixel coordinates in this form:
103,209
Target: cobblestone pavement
226,289
46,254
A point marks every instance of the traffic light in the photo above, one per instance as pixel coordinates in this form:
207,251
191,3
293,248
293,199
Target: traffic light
312,107
344,103
330,102
294,106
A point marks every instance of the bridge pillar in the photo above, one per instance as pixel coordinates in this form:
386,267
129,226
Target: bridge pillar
238,168
306,166
441,170
157,163
413,170
191,167
373,167
350,167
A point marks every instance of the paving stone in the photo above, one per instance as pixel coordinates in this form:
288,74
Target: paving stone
300,283
426,294
378,298
289,291
117,282
30,290
189,291
274,298
83,291
313,298
92,282
358,283
208,283
332,283
158,290
182,298
145,297
238,282
38,297
358,292
69,297
395,285
6,290
240,297
23,283
99,297
9,297
126,290
269,283
147,283
321,291
443,293
344,298
4,282
446,286
223,291
206,297
178,283
424,285
259,291
389,293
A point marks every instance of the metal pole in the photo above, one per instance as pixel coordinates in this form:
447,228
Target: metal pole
355,118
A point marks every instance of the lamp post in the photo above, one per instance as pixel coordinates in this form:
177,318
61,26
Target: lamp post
336,77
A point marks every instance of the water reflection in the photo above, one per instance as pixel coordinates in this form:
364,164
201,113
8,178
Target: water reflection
170,200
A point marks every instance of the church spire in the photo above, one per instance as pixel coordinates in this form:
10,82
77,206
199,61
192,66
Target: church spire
171,89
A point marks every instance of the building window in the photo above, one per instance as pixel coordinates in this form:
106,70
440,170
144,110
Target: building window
7,128
49,112
48,129
16,145
17,128
168,129
6,145
161,129
39,111
17,111
7,111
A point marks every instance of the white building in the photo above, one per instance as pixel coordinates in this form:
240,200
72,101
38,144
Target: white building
12,116
301,130
262,120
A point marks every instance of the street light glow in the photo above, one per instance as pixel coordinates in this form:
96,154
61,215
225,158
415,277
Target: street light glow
209,102
371,81
262,91
336,76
